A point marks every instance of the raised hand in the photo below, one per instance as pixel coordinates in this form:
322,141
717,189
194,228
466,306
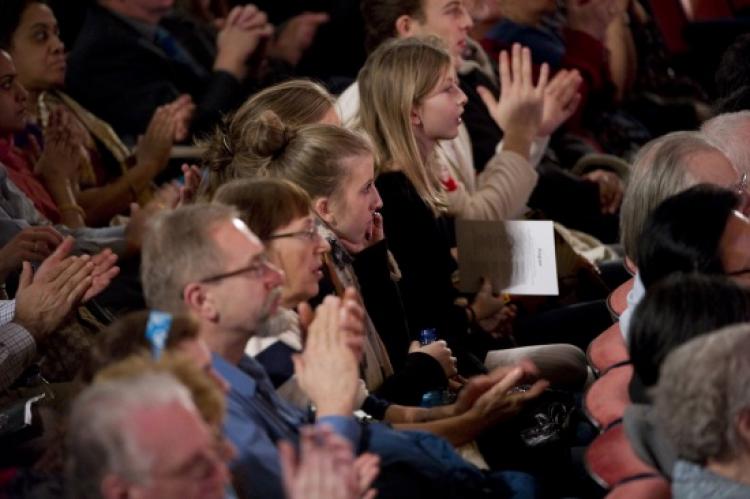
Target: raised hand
325,467
43,301
296,36
32,244
327,370
62,150
189,188
375,236
183,108
245,28
561,99
499,403
519,110
154,146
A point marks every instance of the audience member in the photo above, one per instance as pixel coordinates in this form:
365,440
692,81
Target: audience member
327,369
662,168
48,179
280,337
127,61
44,300
424,106
110,176
703,403
697,230
127,437
683,305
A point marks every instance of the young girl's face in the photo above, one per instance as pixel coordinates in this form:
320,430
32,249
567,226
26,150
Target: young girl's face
12,97
357,199
438,115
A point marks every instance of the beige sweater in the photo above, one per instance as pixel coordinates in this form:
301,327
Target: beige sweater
500,192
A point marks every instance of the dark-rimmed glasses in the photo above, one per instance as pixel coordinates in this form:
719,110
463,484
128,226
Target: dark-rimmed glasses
310,235
258,269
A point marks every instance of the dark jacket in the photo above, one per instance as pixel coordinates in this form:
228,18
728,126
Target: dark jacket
119,74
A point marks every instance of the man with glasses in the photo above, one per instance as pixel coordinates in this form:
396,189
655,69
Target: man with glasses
203,259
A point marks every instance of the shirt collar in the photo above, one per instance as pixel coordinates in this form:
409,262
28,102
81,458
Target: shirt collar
240,379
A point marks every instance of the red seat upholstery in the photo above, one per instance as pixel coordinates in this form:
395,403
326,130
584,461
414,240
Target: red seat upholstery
610,459
607,398
671,19
607,350
642,488
707,10
617,300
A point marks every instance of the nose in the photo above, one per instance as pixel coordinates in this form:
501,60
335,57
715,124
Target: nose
57,44
462,99
466,21
21,93
377,200
274,277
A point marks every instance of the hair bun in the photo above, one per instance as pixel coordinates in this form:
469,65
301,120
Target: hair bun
270,136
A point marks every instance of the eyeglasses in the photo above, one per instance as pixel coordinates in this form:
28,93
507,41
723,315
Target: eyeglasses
259,269
310,235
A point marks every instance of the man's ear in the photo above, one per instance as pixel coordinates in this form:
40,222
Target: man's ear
200,302
322,206
743,427
113,487
404,26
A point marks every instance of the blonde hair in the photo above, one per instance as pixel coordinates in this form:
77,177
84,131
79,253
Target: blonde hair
395,78
204,393
295,102
310,156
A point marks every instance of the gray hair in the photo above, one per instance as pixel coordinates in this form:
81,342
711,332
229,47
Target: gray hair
660,170
100,436
178,249
702,389
729,132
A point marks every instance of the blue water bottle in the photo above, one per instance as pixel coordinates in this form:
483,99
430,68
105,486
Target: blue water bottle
433,398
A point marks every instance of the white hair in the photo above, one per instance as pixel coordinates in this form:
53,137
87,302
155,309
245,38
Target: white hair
702,390
100,436
730,133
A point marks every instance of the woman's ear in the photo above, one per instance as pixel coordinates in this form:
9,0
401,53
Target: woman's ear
322,206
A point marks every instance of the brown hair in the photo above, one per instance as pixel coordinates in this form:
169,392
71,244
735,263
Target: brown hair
126,336
295,102
206,396
380,18
309,156
265,204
